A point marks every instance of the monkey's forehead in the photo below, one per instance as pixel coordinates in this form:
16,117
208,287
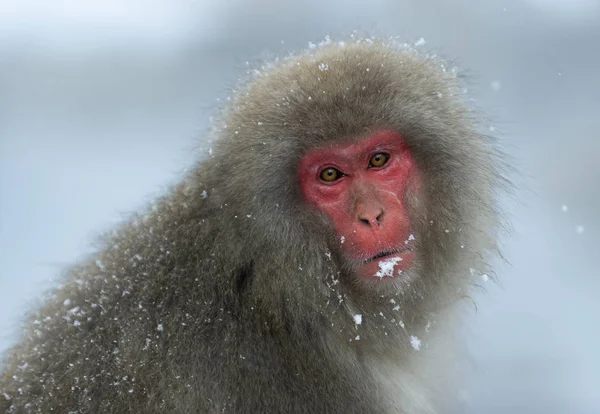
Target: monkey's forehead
345,91
351,67
341,69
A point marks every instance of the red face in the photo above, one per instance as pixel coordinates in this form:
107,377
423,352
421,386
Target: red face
362,188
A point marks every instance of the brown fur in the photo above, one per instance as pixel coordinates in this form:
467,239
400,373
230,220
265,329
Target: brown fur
228,293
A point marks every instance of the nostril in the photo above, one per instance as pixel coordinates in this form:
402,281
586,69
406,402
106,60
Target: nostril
364,220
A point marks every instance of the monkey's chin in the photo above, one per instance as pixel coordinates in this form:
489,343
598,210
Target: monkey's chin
387,267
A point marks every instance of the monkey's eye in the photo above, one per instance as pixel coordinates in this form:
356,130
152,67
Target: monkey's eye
330,174
378,160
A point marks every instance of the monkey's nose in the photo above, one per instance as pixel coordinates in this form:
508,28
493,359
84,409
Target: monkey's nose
371,218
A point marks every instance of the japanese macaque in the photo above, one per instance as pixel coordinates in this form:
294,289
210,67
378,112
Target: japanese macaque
313,262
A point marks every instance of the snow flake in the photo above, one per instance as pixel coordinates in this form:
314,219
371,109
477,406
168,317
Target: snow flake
100,264
415,343
386,267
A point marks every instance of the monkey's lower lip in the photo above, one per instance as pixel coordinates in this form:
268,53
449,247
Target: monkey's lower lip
386,265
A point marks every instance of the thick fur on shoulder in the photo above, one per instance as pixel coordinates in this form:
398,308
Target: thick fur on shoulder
228,293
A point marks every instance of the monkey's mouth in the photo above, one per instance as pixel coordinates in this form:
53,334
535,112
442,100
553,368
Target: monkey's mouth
385,254
386,264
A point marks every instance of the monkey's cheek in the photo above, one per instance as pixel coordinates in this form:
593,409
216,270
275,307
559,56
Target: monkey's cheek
388,267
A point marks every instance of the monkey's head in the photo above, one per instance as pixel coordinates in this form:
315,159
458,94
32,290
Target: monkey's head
367,184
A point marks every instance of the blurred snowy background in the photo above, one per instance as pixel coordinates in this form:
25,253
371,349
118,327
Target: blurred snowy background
101,101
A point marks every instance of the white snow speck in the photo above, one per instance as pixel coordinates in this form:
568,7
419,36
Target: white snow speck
357,338
342,239
328,254
420,42
74,310
311,45
100,265
415,342
564,208
259,123
210,151
485,278
357,319
160,327
386,267
495,85
204,194
116,351
323,67
579,229
67,302
396,308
